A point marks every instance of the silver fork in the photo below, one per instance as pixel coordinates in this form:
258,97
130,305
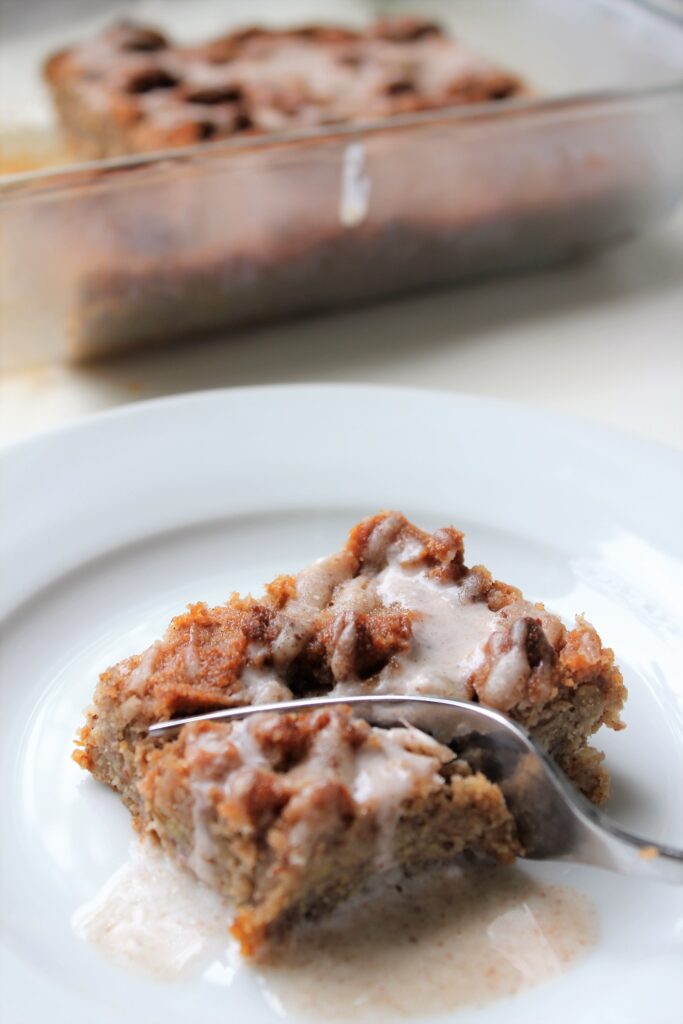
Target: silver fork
554,821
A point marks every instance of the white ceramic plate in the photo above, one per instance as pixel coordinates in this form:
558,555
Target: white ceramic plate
111,525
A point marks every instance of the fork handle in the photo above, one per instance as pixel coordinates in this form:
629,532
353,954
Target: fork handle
602,843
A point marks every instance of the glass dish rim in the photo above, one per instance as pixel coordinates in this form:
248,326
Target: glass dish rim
49,179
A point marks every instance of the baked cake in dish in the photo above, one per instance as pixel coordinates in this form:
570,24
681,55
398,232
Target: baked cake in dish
131,89
287,814
342,166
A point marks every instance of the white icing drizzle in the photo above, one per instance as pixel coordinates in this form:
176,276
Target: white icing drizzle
448,634
430,946
518,936
220,744
381,540
391,766
263,686
344,645
450,629
506,681
388,768
314,589
504,685
455,635
153,917
191,660
203,855
245,743
139,676
477,937
357,594
386,774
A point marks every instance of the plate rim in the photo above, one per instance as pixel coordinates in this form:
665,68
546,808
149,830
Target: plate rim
667,460
144,406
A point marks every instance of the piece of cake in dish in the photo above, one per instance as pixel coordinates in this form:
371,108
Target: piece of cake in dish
286,814
131,89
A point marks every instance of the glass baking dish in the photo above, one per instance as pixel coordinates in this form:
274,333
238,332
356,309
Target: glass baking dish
99,257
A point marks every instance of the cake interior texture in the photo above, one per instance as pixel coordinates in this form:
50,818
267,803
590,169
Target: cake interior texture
287,814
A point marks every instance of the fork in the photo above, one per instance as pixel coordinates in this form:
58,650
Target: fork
554,821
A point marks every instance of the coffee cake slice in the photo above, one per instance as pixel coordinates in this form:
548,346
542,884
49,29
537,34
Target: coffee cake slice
287,814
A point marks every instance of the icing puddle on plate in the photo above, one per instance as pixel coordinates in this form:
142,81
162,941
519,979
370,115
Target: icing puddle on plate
403,948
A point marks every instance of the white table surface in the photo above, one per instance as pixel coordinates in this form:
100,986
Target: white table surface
602,340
